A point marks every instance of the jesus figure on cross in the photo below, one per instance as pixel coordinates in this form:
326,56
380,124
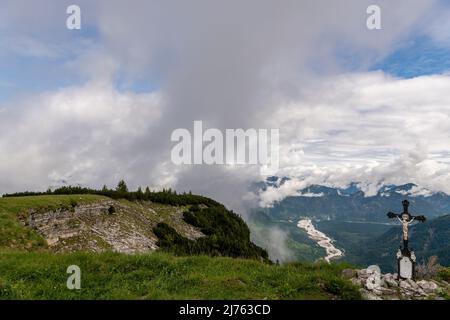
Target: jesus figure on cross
406,219
405,223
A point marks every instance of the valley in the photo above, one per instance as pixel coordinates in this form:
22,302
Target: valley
148,245
357,223
322,240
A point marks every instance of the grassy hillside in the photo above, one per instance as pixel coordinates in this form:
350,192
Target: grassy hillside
13,234
183,224
162,276
31,267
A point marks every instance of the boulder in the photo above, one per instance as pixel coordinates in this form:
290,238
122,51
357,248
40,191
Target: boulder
405,286
367,295
428,287
413,284
390,281
386,291
376,286
356,281
374,269
363,274
378,291
373,282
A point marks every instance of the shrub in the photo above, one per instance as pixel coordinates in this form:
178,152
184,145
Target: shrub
444,274
430,269
73,202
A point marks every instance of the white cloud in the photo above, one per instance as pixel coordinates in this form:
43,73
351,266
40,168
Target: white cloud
81,134
437,25
28,47
369,128
258,64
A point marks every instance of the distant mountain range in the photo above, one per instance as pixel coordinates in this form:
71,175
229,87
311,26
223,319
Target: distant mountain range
357,222
351,204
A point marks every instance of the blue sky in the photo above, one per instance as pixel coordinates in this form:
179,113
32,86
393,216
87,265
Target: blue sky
36,64
417,57
25,74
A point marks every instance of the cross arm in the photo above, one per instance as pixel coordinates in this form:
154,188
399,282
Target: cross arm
420,218
392,215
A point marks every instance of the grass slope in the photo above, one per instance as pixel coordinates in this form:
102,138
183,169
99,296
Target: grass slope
29,270
134,226
162,276
13,234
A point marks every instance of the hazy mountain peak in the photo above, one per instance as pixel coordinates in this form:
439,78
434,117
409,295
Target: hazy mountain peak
354,188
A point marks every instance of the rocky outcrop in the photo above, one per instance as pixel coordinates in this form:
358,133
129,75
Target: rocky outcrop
106,225
377,286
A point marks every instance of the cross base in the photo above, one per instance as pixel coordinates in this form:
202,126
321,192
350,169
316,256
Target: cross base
406,262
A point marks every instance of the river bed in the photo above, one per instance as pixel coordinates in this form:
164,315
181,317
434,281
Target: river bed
321,238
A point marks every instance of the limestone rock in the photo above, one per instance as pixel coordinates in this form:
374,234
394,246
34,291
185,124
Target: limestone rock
404,285
376,286
390,281
95,227
367,295
428,286
373,282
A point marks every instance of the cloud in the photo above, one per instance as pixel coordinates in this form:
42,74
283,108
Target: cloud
79,134
437,24
231,64
275,242
29,47
219,59
369,128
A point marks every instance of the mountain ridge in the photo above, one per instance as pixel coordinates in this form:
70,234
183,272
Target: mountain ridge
351,203
119,220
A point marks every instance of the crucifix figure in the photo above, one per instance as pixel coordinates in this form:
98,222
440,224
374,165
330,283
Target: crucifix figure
406,219
406,258
405,223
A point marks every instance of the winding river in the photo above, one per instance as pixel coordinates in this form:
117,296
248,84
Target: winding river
321,238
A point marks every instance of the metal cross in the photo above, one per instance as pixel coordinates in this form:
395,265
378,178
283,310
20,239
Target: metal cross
406,219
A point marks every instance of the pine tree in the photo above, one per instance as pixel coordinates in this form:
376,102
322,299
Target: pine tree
122,187
139,194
